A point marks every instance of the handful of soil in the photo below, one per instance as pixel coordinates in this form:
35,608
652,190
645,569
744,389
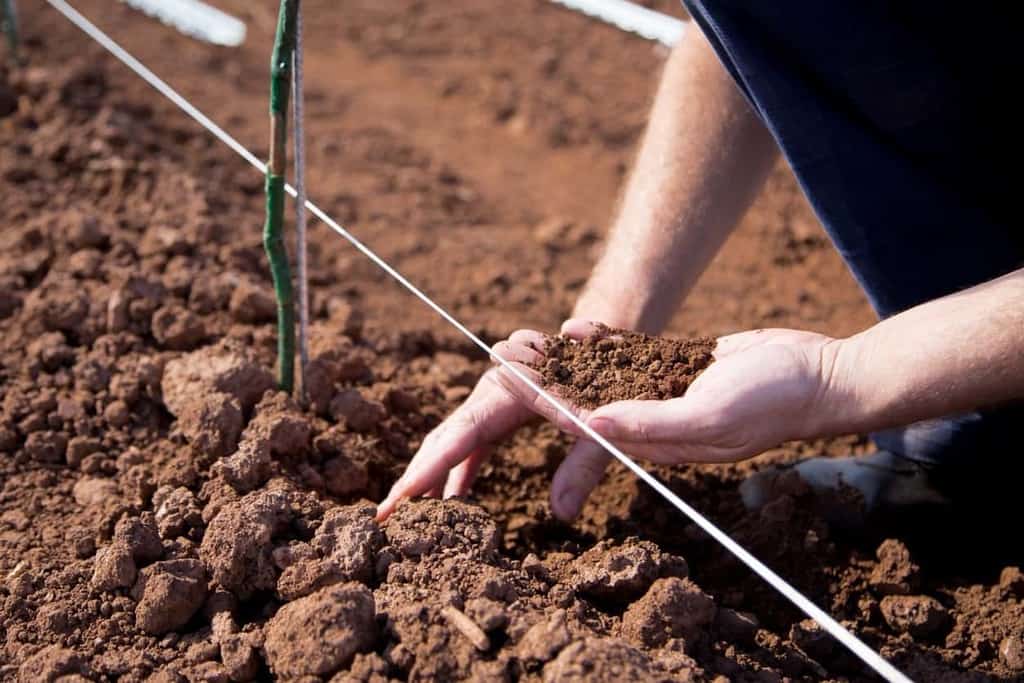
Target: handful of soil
620,365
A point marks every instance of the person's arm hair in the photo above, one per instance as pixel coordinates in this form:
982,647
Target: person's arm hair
951,355
702,161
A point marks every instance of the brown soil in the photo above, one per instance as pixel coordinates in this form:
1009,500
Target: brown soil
620,365
165,515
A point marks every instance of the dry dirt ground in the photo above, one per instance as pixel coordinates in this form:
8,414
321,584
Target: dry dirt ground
165,515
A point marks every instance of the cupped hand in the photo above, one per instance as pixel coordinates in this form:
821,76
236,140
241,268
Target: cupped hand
763,389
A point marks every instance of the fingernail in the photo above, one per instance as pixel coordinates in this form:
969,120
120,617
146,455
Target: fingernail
604,426
569,503
385,506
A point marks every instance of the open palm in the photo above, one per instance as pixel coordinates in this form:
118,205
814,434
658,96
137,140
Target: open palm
760,391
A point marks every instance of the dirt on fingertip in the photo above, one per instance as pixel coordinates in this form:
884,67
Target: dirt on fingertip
621,365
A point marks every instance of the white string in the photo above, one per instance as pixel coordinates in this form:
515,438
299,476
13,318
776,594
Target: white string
300,204
852,642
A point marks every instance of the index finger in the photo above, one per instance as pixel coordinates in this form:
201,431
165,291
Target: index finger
486,415
511,380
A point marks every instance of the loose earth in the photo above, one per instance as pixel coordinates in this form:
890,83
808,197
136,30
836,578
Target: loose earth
166,515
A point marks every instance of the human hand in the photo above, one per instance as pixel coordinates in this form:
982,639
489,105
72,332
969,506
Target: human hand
763,389
450,456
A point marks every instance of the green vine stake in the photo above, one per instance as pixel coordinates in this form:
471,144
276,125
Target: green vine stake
273,230
9,19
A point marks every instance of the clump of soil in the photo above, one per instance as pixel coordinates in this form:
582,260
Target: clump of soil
620,365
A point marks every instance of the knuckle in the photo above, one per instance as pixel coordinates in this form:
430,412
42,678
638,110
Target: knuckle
429,440
435,434
467,419
564,422
495,378
489,377
642,430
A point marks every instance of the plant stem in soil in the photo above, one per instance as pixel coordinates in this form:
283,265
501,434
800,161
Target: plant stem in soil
9,19
273,231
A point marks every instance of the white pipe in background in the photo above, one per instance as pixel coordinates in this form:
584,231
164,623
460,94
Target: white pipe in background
631,17
194,18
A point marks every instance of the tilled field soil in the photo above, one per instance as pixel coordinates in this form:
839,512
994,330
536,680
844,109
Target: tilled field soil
166,515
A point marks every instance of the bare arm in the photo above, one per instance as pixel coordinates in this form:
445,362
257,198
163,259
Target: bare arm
951,355
703,159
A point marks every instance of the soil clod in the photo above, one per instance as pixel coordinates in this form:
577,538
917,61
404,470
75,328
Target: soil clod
169,594
319,634
919,615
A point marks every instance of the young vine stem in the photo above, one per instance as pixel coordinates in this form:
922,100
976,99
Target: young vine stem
9,20
273,230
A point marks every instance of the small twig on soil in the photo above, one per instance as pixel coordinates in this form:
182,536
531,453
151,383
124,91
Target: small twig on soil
461,622
273,231
9,19
300,207
18,570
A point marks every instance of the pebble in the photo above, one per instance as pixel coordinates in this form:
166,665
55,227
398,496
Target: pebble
1011,651
1012,580
467,627
114,567
919,615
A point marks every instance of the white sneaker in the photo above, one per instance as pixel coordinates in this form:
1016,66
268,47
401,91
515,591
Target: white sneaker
881,479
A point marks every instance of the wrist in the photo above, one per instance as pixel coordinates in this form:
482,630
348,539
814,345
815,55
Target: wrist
841,405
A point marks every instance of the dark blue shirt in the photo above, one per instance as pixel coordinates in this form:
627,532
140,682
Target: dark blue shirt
896,118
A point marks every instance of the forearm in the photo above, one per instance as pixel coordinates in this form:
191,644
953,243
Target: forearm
703,158
948,356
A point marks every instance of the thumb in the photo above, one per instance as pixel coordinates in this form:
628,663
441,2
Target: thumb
637,421
578,475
